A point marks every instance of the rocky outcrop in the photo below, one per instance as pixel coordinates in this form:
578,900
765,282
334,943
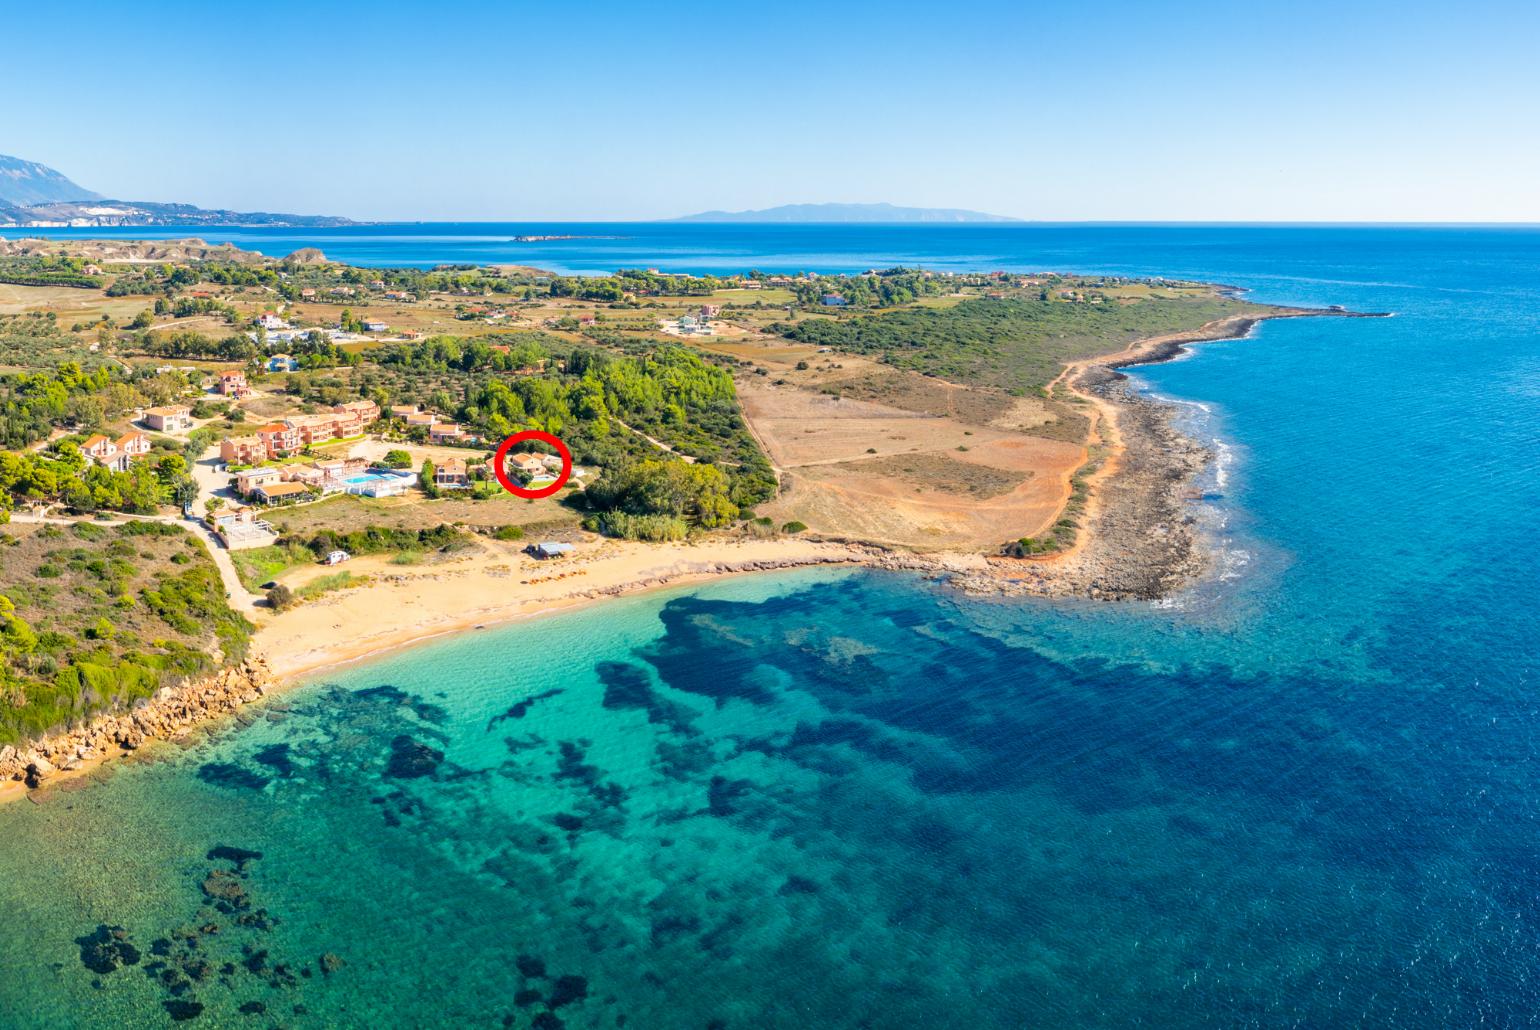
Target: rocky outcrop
306,256
168,713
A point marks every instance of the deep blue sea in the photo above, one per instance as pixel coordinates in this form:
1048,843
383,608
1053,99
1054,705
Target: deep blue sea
1304,793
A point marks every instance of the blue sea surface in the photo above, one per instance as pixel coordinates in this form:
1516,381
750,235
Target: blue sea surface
1304,792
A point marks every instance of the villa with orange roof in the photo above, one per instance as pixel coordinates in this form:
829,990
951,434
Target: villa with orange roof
133,443
233,384
169,419
104,452
116,454
242,450
452,475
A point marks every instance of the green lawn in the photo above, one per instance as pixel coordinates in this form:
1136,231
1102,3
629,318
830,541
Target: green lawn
261,564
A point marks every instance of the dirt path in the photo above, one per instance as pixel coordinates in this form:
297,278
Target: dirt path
659,444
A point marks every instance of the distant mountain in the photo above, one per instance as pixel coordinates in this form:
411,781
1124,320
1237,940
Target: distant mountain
24,183
847,213
33,195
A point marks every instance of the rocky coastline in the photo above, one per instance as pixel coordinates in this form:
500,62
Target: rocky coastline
1140,543
168,713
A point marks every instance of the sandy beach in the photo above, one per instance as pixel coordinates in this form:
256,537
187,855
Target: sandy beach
1137,543
401,606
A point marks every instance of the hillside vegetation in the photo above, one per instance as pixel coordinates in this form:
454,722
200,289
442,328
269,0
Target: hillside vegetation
1016,344
96,617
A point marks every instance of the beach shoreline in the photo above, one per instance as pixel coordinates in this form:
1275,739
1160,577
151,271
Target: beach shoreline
1138,543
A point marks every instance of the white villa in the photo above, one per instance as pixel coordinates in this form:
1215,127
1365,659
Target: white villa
240,529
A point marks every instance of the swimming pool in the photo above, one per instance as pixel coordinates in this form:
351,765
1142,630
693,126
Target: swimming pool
377,484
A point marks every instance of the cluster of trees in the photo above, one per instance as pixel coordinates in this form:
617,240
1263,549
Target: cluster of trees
475,354
613,288
33,404
889,288
168,279
185,343
694,492
187,307
62,474
314,350
602,404
47,270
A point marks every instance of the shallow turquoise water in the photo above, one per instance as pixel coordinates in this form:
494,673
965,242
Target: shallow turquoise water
1303,793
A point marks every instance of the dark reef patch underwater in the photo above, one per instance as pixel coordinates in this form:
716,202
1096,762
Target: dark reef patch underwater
1302,794
868,807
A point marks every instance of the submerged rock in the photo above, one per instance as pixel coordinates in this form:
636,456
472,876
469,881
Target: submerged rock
107,948
530,966
258,920
226,891
568,989
330,963
38,770
410,759
226,853
183,1009
228,774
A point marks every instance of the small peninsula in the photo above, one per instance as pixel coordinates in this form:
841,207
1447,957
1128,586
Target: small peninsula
297,455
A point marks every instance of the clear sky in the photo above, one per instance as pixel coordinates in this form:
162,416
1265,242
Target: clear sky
1119,110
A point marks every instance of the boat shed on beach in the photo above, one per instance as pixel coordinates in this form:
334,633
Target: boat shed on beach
547,549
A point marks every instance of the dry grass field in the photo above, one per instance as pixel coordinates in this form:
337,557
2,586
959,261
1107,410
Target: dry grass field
345,513
70,303
897,475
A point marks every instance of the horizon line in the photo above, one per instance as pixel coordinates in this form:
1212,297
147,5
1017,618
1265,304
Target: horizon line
1015,223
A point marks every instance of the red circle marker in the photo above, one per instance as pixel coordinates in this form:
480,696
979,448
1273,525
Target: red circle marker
501,472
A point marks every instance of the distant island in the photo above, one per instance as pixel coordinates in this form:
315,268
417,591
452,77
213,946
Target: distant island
33,195
846,213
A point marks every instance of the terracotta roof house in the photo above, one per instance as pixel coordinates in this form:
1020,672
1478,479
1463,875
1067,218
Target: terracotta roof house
133,443
280,438
96,445
249,479
270,493
233,384
531,463
169,419
242,450
452,475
